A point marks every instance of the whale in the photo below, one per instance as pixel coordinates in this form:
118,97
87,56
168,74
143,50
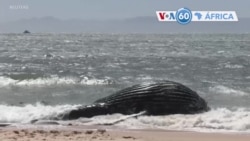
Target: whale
157,98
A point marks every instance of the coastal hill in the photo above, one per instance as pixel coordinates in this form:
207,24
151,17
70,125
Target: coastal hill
131,25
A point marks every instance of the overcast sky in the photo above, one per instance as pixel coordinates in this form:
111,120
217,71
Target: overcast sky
111,9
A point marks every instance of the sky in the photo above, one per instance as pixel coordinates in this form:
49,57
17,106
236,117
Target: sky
110,9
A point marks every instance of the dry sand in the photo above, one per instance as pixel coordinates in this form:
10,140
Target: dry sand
102,134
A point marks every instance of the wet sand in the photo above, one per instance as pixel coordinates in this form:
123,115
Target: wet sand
102,133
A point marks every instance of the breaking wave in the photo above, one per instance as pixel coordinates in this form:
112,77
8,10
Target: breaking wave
227,91
216,120
6,81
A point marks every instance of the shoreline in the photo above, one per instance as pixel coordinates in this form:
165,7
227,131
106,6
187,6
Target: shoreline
97,133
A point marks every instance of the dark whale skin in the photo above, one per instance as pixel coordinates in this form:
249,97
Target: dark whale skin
161,98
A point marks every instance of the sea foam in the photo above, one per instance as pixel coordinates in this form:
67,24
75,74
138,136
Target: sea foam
6,81
216,120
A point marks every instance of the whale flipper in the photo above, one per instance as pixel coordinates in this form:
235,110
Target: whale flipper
125,118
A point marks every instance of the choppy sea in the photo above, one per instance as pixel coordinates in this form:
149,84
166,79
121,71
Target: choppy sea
44,75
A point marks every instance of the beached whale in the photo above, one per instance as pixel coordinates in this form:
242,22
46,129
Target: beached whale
162,98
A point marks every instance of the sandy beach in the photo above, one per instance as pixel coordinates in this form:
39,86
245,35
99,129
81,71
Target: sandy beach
44,133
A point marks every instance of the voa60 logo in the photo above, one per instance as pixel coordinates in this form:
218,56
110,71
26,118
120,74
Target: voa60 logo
166,15
184,16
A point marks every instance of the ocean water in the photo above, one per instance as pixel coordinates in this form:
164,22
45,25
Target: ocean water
44,75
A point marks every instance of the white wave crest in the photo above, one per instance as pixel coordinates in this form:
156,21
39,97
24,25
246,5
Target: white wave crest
5,81
216,120
227,91
17,114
